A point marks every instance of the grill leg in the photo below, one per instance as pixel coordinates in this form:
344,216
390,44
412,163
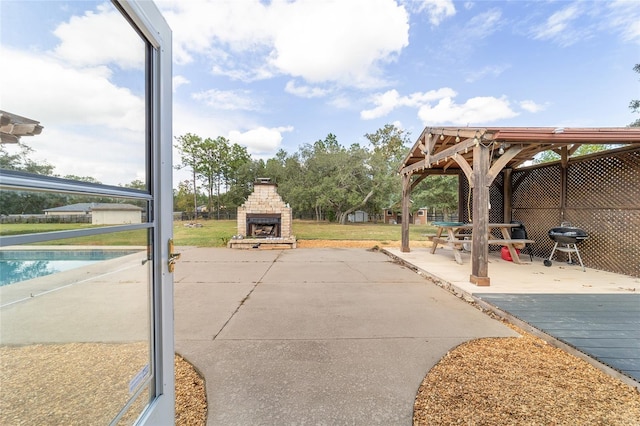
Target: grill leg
553,251
575,246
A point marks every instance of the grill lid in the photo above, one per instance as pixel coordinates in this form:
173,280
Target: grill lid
567,234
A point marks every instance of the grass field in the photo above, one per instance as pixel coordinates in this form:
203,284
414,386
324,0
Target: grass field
217,233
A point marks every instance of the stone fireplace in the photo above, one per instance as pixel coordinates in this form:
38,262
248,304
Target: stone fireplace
264,220
264,225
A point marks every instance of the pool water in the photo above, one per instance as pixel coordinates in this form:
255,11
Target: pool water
21,265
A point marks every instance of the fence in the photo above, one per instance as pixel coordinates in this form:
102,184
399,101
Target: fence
599,193
45,218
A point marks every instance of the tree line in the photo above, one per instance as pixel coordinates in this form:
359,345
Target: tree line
32,202
324,179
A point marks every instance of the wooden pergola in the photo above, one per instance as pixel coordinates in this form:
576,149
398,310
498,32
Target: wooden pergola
482,154
13,127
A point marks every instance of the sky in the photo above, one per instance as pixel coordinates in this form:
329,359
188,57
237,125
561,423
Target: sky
273,75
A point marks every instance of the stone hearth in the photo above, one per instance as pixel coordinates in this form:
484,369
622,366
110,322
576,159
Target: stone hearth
264,220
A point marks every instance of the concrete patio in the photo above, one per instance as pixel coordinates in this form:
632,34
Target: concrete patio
314,336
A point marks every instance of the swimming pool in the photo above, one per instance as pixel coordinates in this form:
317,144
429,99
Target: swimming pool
21,265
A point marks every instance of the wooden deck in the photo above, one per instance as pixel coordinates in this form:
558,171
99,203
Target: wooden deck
594,314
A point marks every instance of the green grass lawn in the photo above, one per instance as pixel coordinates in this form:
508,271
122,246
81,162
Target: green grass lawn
217,233
214,233
126,238
312,230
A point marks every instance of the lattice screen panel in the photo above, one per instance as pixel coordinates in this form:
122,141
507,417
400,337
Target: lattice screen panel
536,187
535,202
610,182
612,244
603,198
538,222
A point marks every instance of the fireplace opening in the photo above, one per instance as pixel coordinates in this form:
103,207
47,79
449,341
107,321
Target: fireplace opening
263,225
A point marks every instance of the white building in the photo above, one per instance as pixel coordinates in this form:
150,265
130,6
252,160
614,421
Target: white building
101,213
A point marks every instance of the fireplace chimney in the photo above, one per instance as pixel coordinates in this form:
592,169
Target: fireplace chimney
264,220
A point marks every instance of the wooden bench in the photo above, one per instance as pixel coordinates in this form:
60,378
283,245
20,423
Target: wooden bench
456,244
457,232
519,244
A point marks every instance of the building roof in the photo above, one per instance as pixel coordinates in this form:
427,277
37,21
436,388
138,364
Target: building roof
445,149
13,126
88,207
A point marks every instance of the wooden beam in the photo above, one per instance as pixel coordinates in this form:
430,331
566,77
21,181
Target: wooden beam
406,194
430,143
455,149
418,180
501,162
507,195
415,167
25,129
7,138
564,156
466,168
480,242
462,132
564,162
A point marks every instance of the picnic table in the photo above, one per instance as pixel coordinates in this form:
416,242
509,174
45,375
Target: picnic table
456,232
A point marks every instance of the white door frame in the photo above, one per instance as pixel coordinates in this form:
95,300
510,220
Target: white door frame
147,18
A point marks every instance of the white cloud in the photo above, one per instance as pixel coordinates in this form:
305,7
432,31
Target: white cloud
483,24
99,123
479,110
305,91
228,99
57,94
624,17
559,27
531,106
386,102
178,81
466,42
489,70
261,141
437,10
342,101
318,41
83,41
349,49
398,124
391,99
212,27
581,21
110,157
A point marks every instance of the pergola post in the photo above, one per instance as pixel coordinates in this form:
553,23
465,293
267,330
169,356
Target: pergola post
406,194
480,246
564,163
507,194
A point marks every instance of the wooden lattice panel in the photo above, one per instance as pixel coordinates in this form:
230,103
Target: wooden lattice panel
610,182
538,222
536,188
603,198
613,239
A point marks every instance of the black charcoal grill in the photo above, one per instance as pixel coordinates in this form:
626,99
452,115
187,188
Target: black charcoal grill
566,239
